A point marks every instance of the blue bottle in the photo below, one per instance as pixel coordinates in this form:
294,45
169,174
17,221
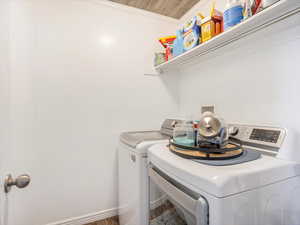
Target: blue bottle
233,13
178,43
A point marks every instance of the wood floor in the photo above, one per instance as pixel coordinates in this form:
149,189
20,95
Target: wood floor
109,221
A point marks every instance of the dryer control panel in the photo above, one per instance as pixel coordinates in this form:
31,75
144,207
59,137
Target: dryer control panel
168,126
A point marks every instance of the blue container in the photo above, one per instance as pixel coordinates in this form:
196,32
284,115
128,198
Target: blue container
192,39
233,16
178,43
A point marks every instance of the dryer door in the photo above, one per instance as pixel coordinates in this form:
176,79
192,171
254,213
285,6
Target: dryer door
174,204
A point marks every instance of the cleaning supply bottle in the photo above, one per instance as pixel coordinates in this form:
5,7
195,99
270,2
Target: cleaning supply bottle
178,43
247,11
233,13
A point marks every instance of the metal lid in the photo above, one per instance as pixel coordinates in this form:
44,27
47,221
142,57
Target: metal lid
209,125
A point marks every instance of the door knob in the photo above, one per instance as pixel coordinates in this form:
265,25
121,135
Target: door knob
21,181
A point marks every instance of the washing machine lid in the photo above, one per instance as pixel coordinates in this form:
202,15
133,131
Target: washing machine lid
133,139
222,181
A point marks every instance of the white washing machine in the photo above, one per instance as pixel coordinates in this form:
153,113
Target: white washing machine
133,173
263,190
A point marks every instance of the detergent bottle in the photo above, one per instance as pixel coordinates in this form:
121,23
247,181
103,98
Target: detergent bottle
178,43
233,13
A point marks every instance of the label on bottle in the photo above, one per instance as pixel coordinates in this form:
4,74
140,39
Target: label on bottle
233,16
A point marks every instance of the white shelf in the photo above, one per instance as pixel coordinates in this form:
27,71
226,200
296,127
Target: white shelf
273,14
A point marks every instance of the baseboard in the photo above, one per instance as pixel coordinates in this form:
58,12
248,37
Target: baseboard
88,218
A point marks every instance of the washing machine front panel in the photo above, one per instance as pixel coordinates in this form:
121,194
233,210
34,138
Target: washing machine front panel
276,204
174,203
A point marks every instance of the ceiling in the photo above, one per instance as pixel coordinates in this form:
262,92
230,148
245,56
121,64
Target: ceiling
171,8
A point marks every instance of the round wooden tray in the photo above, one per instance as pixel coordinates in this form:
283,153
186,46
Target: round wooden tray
198,154
231,146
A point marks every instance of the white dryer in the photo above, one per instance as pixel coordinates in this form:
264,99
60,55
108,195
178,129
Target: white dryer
264,190
133,174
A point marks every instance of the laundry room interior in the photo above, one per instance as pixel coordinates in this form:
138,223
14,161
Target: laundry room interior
150,112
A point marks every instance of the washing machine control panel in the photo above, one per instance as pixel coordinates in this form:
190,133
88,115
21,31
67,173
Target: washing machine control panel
264,135
270,138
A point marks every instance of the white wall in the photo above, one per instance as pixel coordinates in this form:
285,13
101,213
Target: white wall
254,80
76,82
